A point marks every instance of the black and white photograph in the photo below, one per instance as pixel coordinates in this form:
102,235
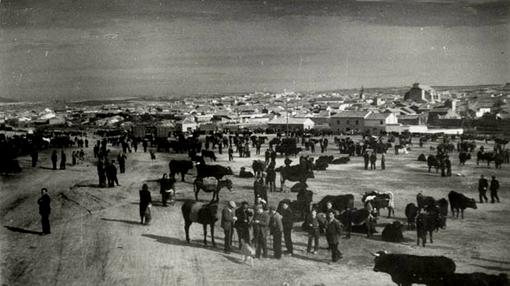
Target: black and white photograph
254,142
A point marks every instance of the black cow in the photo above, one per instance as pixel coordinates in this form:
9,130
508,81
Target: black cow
322,163
209,154
422,158
180,167
406,269
357,220
428,223
340,202
205,214
485,156
432,161
475,279
341,160
393,232
424,202
216,171
295,173
460,202
463,157
411,213
258,167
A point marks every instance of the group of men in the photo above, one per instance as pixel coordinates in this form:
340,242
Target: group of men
107,173
483,185
256,227
372,159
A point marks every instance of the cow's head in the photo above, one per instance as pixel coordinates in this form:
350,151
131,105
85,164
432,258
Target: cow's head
381,264
229,171
471,203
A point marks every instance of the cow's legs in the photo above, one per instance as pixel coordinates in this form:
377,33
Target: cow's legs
212,235
461,213
282,181
205,233
182,176
187,224
431,241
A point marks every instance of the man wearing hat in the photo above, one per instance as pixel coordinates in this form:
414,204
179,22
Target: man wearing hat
494,187
242,223
227,223
260,229
276,228
333,231
288,223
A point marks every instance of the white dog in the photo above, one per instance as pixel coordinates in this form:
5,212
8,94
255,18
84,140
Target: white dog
247,251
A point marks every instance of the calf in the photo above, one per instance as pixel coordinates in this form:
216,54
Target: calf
179,167
460,202
428,222
406,269
393,232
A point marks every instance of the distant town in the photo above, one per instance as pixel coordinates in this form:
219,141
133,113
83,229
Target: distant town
418,108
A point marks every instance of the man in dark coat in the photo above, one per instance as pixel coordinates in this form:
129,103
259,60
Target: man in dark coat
62,160
45,210
383,162
242,223
230,153
145,201
54,159
111,174
227,223
482,189
101,173
448,166
366,159
312,227
333,231
373,159
122,162
276,228
260,229
35,157
288,222
494,189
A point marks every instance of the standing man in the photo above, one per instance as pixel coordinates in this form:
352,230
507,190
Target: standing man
227,223
122,162
383,162
114,173
288,222
312,225
373,159
482,189
54,159
260,230
35,157
230,153
276,228
62,160
333,231
448,165
145,202
494,189
101,173
366,159
45,210
145,144
242,223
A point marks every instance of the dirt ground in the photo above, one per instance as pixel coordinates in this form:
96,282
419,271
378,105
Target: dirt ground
96,237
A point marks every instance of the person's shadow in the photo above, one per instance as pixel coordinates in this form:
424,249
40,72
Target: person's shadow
183,242
22,230
121,220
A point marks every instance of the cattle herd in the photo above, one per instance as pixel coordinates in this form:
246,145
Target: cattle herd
427,216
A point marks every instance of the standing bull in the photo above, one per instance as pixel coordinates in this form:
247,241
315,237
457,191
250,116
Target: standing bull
460,202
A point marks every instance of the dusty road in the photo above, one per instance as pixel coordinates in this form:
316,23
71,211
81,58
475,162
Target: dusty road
97,239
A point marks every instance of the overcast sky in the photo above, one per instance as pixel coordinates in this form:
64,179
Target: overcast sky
120,48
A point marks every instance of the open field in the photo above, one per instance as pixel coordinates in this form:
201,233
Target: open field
97,239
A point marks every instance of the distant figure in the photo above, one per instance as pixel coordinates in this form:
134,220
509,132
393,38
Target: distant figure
73,158
153,155
482,189
373,159
45,210
122,162
230,153
111,174
288,223
35,157
101,173
448,166
166,188
494,189
86,143
228,219
366,159
145,202
383,162
312,227
333,231
260,230
145,144
62,160
54,159
276,229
